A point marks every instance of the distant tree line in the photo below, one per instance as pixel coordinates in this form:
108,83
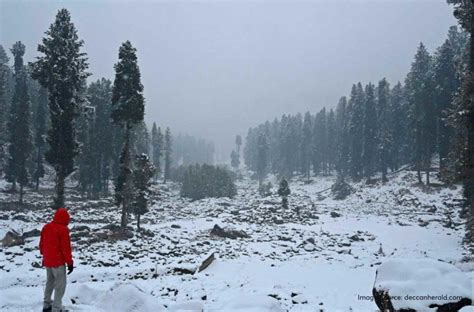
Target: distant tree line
377,128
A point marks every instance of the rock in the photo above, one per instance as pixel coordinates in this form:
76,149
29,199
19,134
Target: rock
206,263
21,217
335,214
277,220
233,234
299,299
80,228
309,247
12,238
398,282
32,233
356,238
175,226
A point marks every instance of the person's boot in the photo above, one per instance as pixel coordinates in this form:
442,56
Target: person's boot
47,309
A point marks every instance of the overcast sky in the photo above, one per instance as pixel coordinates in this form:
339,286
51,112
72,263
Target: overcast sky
215,68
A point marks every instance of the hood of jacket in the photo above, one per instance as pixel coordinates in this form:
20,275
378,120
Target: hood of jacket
61,216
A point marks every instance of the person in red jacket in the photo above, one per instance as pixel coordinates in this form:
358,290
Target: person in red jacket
55,247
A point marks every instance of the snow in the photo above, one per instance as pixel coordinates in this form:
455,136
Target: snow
292,261
411,280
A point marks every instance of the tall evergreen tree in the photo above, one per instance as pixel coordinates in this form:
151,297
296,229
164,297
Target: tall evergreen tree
356,131
142,175
128,109
369,142
262,158
420,91
234,160
399,123
157,148
447,84
307,145
40,133
168,151
62,70
238,144
4,76
342,138
20,133
331,139
385,127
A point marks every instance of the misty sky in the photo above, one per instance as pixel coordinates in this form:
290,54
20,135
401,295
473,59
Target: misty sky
215,68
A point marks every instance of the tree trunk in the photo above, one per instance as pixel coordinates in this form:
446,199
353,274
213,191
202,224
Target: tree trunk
419,176
59,199
126,184
384,175
427,177
37,184
21,193
138,222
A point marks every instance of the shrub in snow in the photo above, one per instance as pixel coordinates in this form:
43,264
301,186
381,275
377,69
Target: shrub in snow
410,285
340,190
201,181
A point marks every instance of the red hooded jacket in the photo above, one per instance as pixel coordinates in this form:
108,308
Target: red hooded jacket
55,244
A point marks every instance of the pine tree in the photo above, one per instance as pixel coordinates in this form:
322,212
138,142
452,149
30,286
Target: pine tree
62,70
238,143
420,90
331,139
385,127
320,143
4,76
342,138
262,158
127,111
168,151
307,145
142,176
103,129
369,132
356,131
141,137
157,148
399,125
40,133
20,133
446,85
284,191
234,160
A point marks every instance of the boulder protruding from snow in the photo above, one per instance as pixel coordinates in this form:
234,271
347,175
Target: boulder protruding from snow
413,285
233,234
12,238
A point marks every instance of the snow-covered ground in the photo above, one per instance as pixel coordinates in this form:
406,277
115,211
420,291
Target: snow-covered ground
318,255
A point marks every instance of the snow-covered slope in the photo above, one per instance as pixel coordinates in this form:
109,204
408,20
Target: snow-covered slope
318,255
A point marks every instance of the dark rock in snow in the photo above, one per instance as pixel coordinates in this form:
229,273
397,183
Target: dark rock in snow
175,226
233,234
21,218
335,214
12,238
32,233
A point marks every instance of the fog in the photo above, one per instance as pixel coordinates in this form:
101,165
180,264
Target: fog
213,69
